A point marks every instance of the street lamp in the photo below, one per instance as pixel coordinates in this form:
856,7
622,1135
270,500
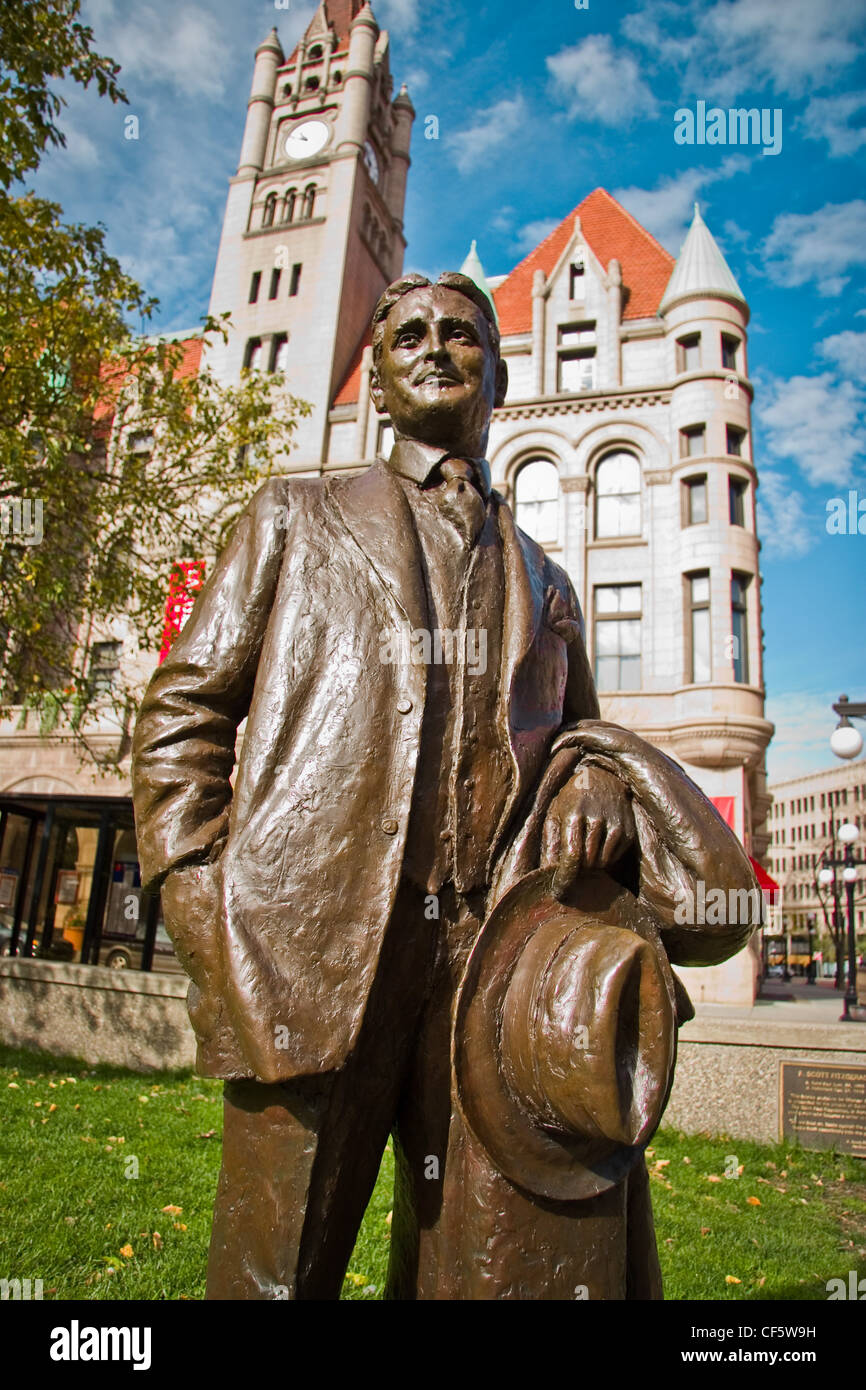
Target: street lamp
848,835
847,743
845,740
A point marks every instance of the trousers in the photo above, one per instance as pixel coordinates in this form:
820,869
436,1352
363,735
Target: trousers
301,1158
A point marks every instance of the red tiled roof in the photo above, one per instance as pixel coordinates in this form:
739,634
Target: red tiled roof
191,360
611,232
340,14
114,372
351,387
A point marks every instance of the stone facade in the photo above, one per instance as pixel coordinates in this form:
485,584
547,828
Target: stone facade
804,814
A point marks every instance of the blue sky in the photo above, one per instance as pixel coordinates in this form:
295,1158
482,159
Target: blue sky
537,105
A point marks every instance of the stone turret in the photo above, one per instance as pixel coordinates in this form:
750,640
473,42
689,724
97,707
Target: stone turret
269,57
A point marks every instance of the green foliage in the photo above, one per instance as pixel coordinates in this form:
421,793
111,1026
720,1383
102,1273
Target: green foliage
41,40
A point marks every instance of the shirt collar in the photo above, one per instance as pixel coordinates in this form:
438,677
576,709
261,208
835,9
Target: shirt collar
412,459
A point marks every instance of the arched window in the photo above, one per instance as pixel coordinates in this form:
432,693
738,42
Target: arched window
309,200
617,496
337,78
315,53
270,210
289,204
312,84
536,501
287,89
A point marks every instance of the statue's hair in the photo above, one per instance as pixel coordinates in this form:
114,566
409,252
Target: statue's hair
450,280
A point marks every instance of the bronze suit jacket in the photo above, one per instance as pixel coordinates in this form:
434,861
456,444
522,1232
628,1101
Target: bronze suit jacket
281,928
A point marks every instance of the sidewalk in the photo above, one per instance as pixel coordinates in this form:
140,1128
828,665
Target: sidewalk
782,1001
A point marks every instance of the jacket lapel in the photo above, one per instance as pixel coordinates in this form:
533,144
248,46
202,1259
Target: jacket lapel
374,510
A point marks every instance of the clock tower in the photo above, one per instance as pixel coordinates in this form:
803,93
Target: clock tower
313,228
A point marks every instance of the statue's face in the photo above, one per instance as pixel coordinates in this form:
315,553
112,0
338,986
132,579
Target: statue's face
438,377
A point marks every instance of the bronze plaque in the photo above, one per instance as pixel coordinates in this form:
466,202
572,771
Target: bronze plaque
823,1106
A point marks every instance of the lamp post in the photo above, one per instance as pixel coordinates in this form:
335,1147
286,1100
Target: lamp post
849,834
847,743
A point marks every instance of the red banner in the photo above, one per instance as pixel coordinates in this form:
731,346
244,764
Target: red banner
187,578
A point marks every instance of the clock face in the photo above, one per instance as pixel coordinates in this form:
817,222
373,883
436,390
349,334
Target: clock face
371,162
306,139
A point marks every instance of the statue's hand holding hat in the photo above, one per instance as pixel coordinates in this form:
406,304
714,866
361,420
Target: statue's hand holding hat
565,1035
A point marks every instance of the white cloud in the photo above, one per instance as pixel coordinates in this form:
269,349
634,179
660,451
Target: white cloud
601,83
490,128
785,528
533,232
733,46
848,351
185,46
819,246
815,422
416,80
667,209
827,118
398,15
804,721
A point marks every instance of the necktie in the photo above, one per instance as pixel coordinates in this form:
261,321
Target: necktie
460,499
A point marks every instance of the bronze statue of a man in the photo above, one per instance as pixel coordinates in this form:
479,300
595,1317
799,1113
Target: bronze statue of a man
440,899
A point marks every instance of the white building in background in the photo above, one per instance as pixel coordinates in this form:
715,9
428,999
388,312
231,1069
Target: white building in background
624,444
804,819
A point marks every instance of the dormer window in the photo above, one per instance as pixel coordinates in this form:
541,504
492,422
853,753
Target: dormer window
315,53
576,357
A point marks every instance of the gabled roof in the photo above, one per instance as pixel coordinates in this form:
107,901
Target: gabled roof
611,233
701,269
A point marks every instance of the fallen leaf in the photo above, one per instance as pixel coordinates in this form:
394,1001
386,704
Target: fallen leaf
753,1201
713,1177
157,1241
127,1251
13,1086
389,1218
208,1134
686,1159
173,1211
179,1225
705,1230
732,1279
51,1107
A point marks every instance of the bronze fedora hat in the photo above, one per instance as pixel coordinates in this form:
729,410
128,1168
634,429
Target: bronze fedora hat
565,1035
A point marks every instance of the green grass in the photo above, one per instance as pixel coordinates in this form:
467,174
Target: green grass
71,1209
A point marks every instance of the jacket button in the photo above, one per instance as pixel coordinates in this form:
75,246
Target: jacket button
404,706
389,827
